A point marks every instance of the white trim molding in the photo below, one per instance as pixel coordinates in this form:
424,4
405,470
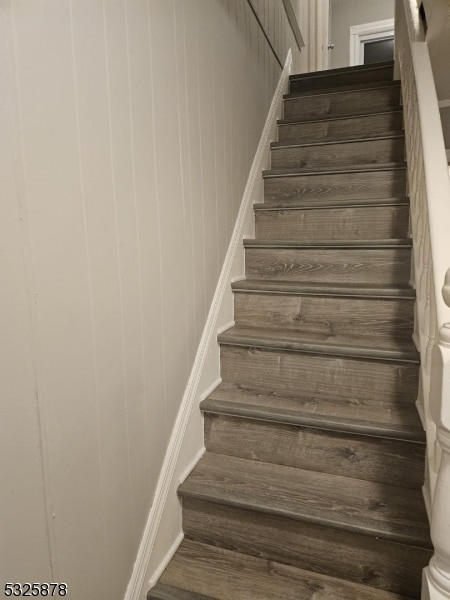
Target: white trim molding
319,14
368,32
163,531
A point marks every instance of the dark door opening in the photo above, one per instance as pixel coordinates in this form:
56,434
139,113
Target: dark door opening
378,51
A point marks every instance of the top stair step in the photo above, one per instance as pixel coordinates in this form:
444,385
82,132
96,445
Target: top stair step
344,76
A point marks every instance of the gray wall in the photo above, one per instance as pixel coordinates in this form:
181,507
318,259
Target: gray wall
344,14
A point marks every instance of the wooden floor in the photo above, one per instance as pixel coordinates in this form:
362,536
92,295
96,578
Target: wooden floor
310,488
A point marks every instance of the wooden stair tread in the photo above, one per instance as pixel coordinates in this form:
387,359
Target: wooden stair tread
343,140
326,204
397,420
335,244
326,118
339,70
374,509
319,343
333,170
355,87
348,87
205,572
322,289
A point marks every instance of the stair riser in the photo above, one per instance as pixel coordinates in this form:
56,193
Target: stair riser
329,315
384,266
303,133
294,373
362,457
344,154
342,104
346,555
353,223
344,78
352,185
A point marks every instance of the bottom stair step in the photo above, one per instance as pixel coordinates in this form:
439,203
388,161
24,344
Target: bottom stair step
203,572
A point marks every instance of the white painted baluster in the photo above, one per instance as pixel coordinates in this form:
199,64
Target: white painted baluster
436,580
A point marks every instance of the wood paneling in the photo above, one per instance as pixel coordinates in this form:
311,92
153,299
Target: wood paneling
130,128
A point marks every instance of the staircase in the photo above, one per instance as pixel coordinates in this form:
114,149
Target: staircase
310,487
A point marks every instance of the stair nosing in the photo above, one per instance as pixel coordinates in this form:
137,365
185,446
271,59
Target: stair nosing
334,142
295,121
275,287
326,244
411,538
375,202
414,435
332,91
273,174
321,348
351,69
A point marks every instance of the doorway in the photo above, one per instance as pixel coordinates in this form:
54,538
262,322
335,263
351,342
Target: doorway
372,42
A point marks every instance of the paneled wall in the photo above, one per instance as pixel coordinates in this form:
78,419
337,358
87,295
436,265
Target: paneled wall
128,128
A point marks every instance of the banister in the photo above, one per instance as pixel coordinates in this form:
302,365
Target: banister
429,190
446,289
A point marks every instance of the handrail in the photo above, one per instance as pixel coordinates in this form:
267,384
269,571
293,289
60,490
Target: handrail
261,26
293,22
429,190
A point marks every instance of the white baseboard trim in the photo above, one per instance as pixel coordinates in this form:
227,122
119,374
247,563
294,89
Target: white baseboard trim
163,564
163,533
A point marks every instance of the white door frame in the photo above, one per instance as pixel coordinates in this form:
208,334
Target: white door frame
359,34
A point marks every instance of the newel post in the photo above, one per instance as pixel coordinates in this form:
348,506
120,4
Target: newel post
436,579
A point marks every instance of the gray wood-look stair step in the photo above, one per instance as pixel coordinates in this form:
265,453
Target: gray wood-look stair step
338,244
383,266
368,346
328,315
333,89
334,184
168,592
310,487
327,203
322,289
311,375
353,557
394,418
208,572
369,221
336,129
342,77
342,103
383,460
386,512
381,150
